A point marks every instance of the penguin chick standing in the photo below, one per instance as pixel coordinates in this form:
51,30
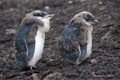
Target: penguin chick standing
29,39
76,41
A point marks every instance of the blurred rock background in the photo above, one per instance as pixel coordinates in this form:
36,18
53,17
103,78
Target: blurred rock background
104,63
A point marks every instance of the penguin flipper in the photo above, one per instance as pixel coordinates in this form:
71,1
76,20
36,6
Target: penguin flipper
21,54
83,52
21,45
68,44
69,54
73,56
21,60
31,49
74,35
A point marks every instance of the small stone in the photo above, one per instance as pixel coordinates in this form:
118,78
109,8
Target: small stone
0,70
70,2
50,60
1,75
53,76
93,74
27,0
102,8
47,7
11,31
100,2
82,0
0,2
35,77
93,61
11,9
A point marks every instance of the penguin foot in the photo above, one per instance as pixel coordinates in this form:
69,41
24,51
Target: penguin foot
31,67
78,61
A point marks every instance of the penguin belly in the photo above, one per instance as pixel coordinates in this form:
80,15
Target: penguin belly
89,42
39,44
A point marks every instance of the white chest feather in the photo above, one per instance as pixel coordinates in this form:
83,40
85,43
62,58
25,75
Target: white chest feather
39,44
89,42
46,26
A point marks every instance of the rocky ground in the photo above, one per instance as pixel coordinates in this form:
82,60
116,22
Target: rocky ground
103,64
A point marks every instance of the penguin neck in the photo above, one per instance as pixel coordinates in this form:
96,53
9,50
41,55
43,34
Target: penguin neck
39,32
44,28
41,35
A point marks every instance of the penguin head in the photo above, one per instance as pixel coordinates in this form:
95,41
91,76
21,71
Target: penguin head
88,17
41,15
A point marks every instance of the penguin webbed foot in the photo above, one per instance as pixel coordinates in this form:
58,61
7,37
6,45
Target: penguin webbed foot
32,67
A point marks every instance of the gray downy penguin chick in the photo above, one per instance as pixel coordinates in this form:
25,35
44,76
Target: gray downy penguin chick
29,39
76,41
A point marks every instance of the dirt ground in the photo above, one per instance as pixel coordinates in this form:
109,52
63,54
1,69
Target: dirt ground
103,64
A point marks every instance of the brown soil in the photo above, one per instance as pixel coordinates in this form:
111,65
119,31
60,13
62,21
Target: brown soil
103,64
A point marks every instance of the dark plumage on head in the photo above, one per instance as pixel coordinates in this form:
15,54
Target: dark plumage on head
87,16
39,13
36,17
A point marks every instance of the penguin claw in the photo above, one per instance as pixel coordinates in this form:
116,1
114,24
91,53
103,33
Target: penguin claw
31,67
78,61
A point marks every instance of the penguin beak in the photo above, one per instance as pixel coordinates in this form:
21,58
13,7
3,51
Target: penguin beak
96,21
50,15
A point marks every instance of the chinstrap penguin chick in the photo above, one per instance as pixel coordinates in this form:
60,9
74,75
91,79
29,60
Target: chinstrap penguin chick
29,39
76,42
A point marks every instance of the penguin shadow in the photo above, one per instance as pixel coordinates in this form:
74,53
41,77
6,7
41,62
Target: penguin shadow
85,62
66,63
27,69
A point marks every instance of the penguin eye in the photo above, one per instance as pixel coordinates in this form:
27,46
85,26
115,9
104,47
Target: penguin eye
42,14
37,14
89,18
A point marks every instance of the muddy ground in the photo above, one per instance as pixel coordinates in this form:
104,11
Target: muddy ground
103,64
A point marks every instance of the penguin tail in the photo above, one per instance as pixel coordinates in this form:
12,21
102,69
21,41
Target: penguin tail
70,56
21,61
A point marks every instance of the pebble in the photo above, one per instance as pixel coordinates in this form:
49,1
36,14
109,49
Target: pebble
53,76
11,9
1,71
0,2
50,60
82,0
70,2
47,7
35,77
100,2
93,61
